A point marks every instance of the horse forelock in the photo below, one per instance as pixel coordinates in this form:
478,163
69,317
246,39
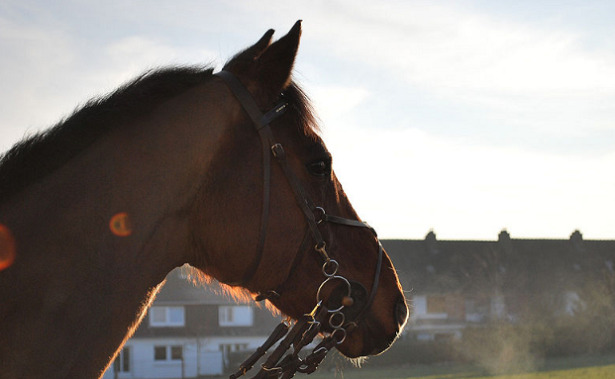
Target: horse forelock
305,118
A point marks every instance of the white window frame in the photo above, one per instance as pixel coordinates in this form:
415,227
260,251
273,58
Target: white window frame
122,363
235,315
421,311
168,353
170,316
233,347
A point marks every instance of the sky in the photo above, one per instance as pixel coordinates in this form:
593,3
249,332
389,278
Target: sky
459,117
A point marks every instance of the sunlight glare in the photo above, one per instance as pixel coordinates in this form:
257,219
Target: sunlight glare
120,224
7,248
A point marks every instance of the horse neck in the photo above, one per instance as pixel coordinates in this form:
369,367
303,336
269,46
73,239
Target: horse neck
76,290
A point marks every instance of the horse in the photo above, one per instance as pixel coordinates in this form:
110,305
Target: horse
226,172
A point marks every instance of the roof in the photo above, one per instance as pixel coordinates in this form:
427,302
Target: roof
181,289
457,266
433,266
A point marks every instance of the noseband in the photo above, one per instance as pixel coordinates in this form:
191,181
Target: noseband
306,328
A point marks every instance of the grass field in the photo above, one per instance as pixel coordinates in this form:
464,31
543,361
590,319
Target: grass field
602,367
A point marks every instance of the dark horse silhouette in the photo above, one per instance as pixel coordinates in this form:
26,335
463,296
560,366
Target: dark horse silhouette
169,170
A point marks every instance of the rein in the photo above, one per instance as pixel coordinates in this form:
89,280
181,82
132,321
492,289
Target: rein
309,325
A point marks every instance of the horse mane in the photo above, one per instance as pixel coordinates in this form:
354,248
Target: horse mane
35,157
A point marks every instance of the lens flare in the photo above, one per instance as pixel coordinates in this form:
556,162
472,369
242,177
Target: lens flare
120,224
7,248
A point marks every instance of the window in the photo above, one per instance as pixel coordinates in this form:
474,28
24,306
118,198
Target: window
160,353
430,307
177,353
167,317
239,315
226,315
232,347
122,361
436,304
168,353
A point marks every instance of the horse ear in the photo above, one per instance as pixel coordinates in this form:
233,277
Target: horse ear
254,51
243,60
275,65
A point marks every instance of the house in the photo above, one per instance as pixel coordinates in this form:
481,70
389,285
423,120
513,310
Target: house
456,284
190,331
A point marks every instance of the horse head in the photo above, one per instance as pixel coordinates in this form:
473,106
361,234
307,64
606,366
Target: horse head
273,218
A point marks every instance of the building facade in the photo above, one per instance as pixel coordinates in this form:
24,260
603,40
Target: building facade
190,331
456,284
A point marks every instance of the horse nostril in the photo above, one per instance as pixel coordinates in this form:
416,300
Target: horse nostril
401,312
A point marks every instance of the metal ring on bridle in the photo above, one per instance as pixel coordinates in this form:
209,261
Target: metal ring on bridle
330,267
342,339
341,319
322,285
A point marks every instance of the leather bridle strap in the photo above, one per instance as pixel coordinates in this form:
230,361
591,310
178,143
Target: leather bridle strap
269,147
259,119
303,200
261,122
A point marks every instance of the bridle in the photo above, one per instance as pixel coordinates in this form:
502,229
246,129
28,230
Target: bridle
307,327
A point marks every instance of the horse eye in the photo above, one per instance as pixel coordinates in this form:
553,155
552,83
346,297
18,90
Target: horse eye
319,168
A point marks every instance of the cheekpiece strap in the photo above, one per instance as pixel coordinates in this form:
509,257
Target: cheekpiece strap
261,123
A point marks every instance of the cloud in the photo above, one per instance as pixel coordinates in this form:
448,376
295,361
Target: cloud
447,47
521,75
129,56
33,62
53,71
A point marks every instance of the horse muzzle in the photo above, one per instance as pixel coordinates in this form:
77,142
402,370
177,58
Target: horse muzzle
370,336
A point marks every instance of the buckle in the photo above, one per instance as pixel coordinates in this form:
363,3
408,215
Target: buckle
278,151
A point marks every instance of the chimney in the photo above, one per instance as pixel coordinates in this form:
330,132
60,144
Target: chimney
504,241
430,237
576,238
430,242
504,236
